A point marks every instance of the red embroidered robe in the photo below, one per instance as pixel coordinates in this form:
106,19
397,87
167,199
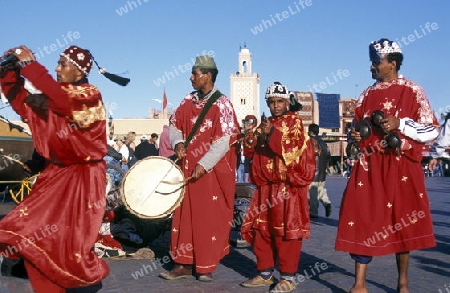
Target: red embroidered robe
279,205
201,225
56,226
385,207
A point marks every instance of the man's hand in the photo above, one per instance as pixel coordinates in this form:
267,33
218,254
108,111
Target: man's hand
355,135
266,127
180,151
390,123
198,172
22,53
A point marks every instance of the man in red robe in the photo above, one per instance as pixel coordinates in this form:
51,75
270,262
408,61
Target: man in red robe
277,219
203,133
385,206
54,229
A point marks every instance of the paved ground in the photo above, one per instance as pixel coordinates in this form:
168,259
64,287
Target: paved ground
429,269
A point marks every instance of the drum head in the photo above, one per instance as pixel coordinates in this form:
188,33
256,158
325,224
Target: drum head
153,188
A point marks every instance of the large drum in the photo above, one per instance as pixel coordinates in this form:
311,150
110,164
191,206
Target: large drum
153,188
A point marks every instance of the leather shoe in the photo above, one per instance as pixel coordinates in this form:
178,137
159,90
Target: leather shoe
178,272
283,286
258,281
205,277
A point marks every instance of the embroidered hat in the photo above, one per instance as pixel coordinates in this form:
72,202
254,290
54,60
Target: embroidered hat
204,62
277,90
83,60
383,46
79,57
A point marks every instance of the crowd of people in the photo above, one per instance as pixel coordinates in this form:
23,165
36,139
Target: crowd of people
131,153
284,161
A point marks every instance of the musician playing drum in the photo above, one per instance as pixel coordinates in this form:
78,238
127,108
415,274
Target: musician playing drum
203,132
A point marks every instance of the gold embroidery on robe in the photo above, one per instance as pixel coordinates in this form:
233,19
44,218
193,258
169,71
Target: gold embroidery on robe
291,150
85,113
87,116
270,165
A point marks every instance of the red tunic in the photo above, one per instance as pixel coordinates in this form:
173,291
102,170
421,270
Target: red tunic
385,206
56,226
279,206
201,225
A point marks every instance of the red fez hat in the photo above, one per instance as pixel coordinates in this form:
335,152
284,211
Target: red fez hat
83,59
79,57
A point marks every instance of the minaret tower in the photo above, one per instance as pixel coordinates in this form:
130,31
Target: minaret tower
245,87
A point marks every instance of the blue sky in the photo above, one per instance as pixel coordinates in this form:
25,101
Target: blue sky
299,43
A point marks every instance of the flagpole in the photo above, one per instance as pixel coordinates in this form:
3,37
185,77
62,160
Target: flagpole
164,104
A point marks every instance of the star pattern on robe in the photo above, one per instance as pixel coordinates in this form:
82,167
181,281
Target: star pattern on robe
23,212
404,178
389,205
78,257
351,223
213,238
174,230
387,105
215,197
414,220
421,195
360,184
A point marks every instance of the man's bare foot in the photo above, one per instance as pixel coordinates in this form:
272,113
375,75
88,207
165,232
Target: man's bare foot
358,289
403,288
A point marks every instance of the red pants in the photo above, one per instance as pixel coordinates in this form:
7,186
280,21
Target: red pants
267,250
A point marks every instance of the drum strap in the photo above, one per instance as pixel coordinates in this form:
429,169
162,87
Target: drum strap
217,94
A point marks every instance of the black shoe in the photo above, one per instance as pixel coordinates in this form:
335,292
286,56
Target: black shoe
328,210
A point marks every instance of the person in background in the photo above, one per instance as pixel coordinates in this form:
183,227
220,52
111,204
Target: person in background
317,189
165,149
69,118
124,150
240,166
441,146
250,131
145,149
283,166
203,132
387,184
154,140
129,142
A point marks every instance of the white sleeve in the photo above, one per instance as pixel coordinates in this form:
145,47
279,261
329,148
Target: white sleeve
124,151
175,136
417,131
216,152
442,143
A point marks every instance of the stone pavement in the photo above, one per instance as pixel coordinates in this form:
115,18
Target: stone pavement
321,269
